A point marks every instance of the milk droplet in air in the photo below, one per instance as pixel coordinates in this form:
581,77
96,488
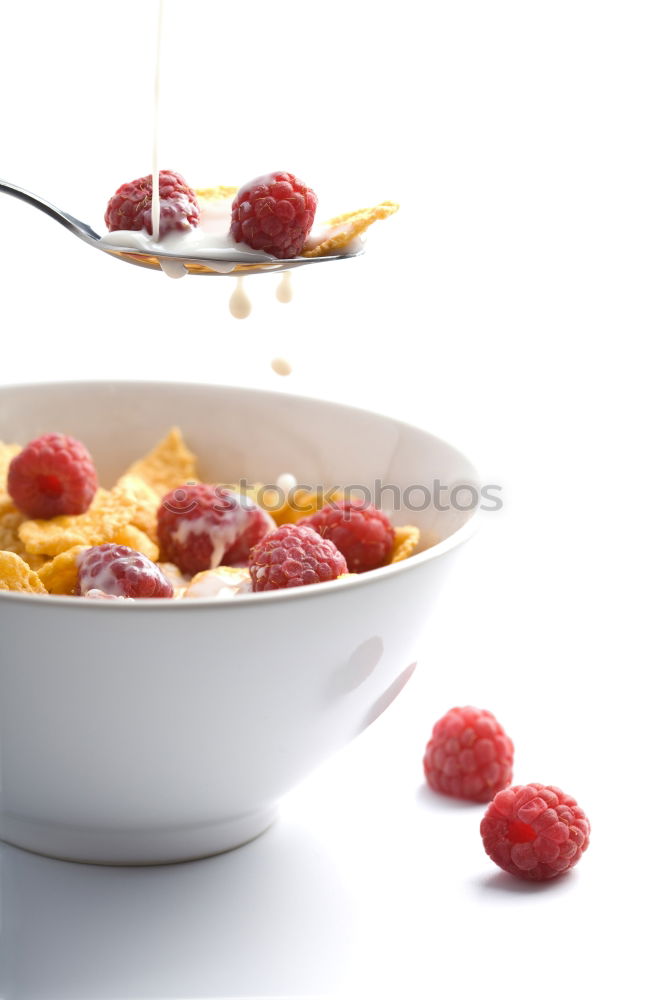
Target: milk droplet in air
240,306
286,482
281,366
284,291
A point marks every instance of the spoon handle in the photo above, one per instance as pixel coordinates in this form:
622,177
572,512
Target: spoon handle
80,229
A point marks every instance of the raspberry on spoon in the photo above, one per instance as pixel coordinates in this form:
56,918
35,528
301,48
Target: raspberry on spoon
130,207
274,213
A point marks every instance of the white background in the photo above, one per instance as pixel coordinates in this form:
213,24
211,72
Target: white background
516,306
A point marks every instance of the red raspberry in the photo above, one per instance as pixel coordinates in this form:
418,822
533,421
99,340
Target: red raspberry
293,556
363,534
200,526
131,205
469,755
54,474
274,213
119,571
535,831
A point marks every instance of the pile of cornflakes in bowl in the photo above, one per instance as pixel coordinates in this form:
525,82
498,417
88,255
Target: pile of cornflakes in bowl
160,532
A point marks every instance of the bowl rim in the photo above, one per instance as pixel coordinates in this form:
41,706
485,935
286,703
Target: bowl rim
460,535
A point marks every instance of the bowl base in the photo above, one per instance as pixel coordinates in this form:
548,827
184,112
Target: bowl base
88,845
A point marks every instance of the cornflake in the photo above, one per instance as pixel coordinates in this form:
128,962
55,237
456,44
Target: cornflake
301,503
147,504
16,575
10,520
7,453
405,542
339,231
216,193
167,466
60,575
134,538
108,513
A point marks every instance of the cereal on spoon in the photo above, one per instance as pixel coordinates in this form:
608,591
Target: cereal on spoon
272,217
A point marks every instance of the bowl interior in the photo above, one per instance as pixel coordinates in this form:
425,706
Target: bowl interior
253,435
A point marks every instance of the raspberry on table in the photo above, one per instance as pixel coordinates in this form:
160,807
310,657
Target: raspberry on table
535,831
362,533
293,556
53,475
118,571
274,213
200,526
131,205
469,755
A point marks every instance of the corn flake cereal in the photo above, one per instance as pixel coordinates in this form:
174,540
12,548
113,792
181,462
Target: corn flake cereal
10,520
7,453
134,538
16,575
215,193
108,513
301,503
338,232
147,503
167,466
404,543
60,575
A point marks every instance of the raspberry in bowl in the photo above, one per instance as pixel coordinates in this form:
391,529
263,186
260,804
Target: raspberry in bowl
143,729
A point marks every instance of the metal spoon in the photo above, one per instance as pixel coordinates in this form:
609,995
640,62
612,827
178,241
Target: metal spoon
244,264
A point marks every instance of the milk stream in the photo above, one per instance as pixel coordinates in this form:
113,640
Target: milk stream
155,201
240,305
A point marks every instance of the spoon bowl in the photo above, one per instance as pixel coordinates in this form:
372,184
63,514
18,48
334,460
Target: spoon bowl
174,264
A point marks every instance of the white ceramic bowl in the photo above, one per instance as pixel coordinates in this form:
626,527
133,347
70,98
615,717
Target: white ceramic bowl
160,731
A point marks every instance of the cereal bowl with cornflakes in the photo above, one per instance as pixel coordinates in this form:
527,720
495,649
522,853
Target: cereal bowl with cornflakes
239,592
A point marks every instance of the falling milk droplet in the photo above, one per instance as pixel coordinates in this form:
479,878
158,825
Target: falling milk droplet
284,291
240,306
281,366
286,481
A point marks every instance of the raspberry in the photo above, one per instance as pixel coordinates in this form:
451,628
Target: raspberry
200,526
535,831
469,755
274,213
119,571
293,556
362,533
131,205
54,474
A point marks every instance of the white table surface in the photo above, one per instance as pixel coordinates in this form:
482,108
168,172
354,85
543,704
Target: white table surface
525,143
